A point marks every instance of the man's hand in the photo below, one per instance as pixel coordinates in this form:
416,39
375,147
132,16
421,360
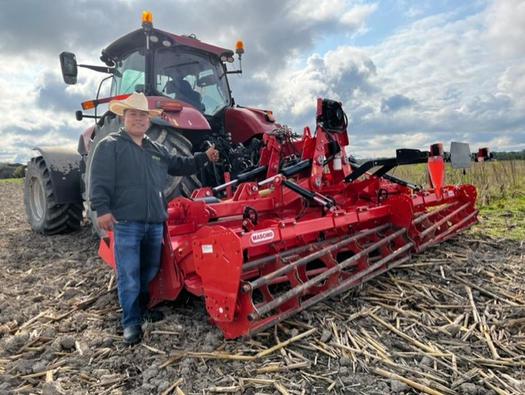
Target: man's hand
212,153
106,221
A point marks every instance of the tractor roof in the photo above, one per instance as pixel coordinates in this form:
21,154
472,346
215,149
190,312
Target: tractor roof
135,39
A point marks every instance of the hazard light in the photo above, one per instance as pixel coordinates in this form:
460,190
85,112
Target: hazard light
147,17
147,21
88,105
239,47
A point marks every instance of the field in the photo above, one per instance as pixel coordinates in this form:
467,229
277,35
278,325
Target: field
501,192
451,321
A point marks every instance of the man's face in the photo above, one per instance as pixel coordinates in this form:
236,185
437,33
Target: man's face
136,122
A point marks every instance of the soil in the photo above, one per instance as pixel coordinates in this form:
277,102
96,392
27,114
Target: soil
451,321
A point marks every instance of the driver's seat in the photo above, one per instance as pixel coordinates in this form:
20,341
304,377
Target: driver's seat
183,91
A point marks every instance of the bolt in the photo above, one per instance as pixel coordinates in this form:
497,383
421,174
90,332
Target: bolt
317,182
208,193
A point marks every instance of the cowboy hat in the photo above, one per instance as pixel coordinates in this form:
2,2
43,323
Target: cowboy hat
136,101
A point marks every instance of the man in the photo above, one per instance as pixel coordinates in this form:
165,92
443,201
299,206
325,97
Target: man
128,175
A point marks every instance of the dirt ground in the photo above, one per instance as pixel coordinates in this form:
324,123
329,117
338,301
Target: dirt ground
452,321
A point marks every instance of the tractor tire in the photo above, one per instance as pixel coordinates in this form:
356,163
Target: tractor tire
44,214
176,143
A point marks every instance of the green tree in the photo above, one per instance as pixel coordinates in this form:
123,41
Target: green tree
19,172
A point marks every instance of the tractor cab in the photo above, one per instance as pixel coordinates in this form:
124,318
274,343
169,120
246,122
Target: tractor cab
166,65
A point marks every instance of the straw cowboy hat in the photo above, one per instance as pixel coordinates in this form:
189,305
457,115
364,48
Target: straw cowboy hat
136,101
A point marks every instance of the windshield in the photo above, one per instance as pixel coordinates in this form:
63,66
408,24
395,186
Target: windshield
132,69
196,79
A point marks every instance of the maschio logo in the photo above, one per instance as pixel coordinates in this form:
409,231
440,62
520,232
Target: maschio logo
261,237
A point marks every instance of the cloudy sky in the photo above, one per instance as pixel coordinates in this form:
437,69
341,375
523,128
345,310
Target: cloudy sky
408,72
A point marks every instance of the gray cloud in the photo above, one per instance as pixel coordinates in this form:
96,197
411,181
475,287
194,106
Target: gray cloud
50,88
395,103
33,26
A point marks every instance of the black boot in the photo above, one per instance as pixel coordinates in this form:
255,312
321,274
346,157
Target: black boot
132,335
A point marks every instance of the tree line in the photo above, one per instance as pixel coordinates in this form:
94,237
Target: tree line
12,170
512,155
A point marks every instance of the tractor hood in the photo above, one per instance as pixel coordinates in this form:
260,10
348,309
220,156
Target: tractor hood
178,114
136,39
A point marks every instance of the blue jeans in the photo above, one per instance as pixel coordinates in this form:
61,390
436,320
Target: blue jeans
136,246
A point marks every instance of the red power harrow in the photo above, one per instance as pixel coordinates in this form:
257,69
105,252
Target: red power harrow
302,228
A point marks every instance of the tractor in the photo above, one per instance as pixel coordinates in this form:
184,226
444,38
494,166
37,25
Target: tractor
186,78
284,221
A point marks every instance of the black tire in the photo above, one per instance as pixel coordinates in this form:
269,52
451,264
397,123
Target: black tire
176,143
44,214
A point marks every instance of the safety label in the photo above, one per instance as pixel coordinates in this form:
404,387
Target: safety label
207,249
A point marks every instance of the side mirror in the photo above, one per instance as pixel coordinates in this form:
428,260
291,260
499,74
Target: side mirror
68,63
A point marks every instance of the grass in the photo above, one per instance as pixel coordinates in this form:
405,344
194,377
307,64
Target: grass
504,218
6,180
501,193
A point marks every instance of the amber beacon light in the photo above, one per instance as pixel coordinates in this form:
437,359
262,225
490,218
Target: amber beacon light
147,17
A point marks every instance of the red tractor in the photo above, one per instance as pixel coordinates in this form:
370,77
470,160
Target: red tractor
284,221
185,77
